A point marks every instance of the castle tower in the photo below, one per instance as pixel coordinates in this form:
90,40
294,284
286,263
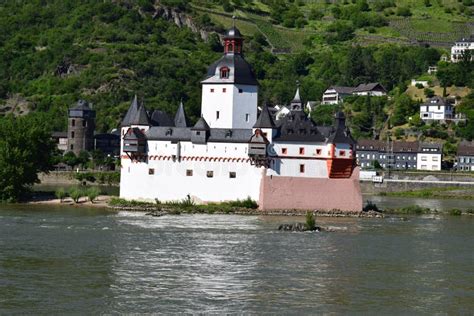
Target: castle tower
81,126
230,90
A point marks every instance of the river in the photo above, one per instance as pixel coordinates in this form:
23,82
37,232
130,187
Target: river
57,260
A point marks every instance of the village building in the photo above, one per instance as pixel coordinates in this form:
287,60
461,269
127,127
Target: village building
399,155
336,94
232,152
436,109
465,156
460,46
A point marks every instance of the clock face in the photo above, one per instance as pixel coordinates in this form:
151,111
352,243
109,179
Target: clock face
271,151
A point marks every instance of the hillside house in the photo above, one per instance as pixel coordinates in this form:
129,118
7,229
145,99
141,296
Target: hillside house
336,94
465,156
372,89
460,46
429,156
436,109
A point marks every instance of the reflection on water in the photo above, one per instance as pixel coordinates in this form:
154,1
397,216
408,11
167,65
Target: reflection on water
86,261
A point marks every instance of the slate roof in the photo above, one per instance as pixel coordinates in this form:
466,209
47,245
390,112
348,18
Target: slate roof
240,71
59,134
180,119
140,117
131,112
368,87
161,118
342,89
466,149
134,134
436,100
341,134
82,105
371,144
201,125
175,134
437,146
233,32
265,119
296,126
405,147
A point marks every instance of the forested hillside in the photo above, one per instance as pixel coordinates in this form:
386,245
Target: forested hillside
54,52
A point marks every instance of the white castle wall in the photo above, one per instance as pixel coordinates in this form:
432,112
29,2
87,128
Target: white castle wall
232,105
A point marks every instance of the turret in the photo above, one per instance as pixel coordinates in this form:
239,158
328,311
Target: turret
180,119
265,124
296,104
230,89
200,132
81,126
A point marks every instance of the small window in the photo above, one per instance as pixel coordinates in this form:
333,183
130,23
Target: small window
72,134
301,168
224,90
247,117
151,171
318,151
212,90
284,151
217,115
189,173
240,90
342,153
73,123
71,147
224,73
265,134
84,123
301,150
210,174
232,175
198,133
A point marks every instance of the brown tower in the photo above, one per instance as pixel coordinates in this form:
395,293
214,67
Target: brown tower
81,125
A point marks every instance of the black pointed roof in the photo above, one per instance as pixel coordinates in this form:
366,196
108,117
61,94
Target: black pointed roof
201,125
296,103
132,112
265,119
341,133
233,32
141,117
180,119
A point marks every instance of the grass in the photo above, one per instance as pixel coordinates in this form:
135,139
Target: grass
439,193
416,93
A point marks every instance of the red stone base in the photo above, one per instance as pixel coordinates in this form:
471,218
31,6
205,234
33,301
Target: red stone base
280,193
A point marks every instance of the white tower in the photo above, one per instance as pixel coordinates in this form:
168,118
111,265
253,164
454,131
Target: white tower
230,90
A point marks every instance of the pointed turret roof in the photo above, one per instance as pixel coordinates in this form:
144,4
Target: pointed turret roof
341,133
180,119
296,103
131,113
297,98
265,119
141,117
201,125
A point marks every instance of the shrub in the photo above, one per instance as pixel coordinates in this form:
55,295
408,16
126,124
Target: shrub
419,86
247,203
429,93
403,11
92,193
310,221
76,194
455,212
60,194
370,206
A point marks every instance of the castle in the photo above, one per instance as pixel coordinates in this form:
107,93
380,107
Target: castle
233,153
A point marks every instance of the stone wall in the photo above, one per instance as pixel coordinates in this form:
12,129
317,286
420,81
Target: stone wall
277,193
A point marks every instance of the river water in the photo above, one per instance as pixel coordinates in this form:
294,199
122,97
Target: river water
77,260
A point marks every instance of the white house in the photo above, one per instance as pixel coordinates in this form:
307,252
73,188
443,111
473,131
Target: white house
436,109
372,89
460,46
429,156
336,94
231,154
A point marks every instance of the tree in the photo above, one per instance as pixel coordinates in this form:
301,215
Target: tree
70,159
25,150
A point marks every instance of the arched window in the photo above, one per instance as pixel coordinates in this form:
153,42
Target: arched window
224,72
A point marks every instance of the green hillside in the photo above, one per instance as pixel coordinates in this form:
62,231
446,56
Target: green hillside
55,52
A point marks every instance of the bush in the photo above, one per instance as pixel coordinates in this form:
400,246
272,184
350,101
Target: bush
247,203
60,194
455,212
92,193
429,93
310,221
403,11
370,206
419,86
76,194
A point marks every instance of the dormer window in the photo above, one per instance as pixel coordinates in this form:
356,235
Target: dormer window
228,134
224,72
169,131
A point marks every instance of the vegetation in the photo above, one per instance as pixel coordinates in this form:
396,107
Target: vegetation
25,150
310,221
76,194
410,210
92,193
440,193
60,194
